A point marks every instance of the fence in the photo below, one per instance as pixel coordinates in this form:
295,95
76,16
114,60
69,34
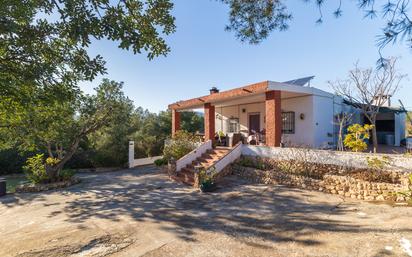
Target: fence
142,161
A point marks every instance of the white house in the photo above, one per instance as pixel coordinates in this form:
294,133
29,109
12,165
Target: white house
292,113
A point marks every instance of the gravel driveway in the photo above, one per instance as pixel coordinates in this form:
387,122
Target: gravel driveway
139,212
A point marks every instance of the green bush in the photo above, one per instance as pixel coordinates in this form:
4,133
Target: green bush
35,169
378,163
182,143
357,136
66,174
254,162
160,162
12,162
83,159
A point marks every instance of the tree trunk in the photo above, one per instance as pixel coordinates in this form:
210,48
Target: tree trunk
374,139
53,171
340,138
49,150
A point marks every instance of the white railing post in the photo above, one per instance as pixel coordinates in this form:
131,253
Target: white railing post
131,154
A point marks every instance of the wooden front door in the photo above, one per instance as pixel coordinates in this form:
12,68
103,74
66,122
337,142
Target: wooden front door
254,123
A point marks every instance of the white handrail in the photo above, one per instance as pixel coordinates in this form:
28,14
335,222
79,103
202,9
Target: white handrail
193,155
230,157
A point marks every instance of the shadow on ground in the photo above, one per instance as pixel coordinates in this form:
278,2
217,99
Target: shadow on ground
238,209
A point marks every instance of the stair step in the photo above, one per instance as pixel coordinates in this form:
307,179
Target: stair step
183,180
187,171
206,160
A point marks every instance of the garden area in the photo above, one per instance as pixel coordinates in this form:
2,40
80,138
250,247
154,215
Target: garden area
30,167
377,180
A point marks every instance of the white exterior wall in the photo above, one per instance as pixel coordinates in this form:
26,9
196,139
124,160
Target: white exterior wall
317,129
304,129
324,110
236,111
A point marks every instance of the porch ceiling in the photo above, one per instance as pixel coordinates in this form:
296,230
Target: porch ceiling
257,98
249,94
228,95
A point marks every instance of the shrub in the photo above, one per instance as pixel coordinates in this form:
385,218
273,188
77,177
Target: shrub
378,163
66,174
356,137
35,169
12,161
160,162
181,144
255,162
408,193
82,159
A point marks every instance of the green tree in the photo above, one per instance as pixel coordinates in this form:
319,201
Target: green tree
44,42
110,143
43,57
192,122
150,130
58,127
149,133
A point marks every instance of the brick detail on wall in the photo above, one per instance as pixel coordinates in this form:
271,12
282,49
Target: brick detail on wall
209,121
273,118
175,121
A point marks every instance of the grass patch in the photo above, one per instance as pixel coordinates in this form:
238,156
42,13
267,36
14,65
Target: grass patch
13,180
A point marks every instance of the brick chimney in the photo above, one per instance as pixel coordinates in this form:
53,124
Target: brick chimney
214,90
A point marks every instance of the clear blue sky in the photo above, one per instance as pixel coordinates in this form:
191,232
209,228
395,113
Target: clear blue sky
204,55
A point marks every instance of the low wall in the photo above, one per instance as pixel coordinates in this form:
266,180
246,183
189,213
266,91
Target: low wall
132,162
146,161
397,161
334,184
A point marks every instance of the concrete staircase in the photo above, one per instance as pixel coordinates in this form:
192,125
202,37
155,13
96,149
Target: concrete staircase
208,159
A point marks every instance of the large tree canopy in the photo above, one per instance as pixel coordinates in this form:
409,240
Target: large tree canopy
254,20
44,42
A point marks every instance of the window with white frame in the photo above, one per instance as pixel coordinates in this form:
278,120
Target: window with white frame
233,125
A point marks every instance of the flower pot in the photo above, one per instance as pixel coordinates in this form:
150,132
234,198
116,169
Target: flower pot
208,187
2,186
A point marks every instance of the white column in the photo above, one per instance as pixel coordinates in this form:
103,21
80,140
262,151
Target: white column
131,154
400,128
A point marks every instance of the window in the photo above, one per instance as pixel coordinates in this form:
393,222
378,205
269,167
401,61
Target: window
233,125
288,122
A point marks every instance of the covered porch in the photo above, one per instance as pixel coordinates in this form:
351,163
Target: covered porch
260,112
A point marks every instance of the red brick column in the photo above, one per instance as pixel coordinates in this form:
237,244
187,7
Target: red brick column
209,122
273,118
175,121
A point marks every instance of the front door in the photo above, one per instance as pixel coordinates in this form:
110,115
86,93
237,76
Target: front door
254,123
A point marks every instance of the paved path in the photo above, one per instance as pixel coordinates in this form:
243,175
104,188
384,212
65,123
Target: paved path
141,213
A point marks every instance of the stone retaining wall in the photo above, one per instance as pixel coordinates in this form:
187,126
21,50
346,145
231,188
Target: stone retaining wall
33,188
342,185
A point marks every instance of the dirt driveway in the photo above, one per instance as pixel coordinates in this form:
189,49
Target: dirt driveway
141,213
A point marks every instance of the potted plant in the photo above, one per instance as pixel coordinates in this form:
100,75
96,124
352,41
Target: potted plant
206,181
